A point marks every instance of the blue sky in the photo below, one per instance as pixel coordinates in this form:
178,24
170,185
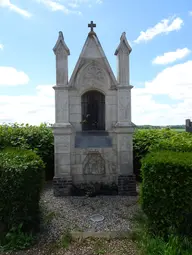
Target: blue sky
160,62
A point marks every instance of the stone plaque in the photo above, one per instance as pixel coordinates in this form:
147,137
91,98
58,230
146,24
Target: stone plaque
85,140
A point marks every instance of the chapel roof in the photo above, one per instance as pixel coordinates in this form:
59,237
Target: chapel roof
92,50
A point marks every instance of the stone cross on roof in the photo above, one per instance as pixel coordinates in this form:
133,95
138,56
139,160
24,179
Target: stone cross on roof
91,25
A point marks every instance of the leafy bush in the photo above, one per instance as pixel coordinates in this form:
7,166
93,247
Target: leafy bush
150,244
180,142
142,142
166,191
21,178
16,239
40,139
37,138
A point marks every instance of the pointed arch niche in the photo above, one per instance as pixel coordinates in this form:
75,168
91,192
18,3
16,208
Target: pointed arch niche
93,110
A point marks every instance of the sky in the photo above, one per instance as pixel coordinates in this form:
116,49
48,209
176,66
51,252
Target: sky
159,33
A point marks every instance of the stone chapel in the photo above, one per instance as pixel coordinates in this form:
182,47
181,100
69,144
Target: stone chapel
93,129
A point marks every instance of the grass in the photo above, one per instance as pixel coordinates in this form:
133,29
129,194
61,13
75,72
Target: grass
149,244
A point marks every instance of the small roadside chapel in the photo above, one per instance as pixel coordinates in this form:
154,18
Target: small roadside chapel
93,129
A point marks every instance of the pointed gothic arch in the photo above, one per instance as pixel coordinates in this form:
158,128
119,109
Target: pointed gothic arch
93,110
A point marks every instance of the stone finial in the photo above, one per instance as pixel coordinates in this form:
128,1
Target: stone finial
61,43
61,35
123,36
124,45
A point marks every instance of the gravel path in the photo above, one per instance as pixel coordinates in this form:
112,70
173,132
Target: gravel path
63,214
73,213
85,247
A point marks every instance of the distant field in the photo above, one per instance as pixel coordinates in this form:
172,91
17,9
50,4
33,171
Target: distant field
179,129
176,129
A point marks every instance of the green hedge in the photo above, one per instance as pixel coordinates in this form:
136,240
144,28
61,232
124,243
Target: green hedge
180,142
21,180
166,191
40,139
142,142
37,138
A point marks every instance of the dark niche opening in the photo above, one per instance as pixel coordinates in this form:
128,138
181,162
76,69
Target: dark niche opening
93,111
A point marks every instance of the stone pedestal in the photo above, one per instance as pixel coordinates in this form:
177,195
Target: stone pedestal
62,181
126,178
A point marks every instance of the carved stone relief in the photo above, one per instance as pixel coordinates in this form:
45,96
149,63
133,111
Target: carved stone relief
94,164
93,74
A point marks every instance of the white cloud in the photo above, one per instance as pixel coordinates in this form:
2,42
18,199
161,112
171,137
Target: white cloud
33,109
172,56
56,6
12,7
1,46
165,26
173,82
73,5
9,76
68,6
40,107
190,13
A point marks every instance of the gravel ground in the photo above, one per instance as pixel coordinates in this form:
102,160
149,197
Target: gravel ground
85,247
100,246
73,213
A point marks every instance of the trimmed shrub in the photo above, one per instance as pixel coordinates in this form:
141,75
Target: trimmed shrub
37,138
181,142
142,142
21,179
166,191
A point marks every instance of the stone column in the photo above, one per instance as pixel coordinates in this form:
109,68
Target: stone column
62,129
126,179
62,181
124,128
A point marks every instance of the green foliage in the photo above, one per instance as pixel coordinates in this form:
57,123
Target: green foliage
16,239
65,240
21,178
37,138
166,191
150,244
40,139
177,127
142,142
181,142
